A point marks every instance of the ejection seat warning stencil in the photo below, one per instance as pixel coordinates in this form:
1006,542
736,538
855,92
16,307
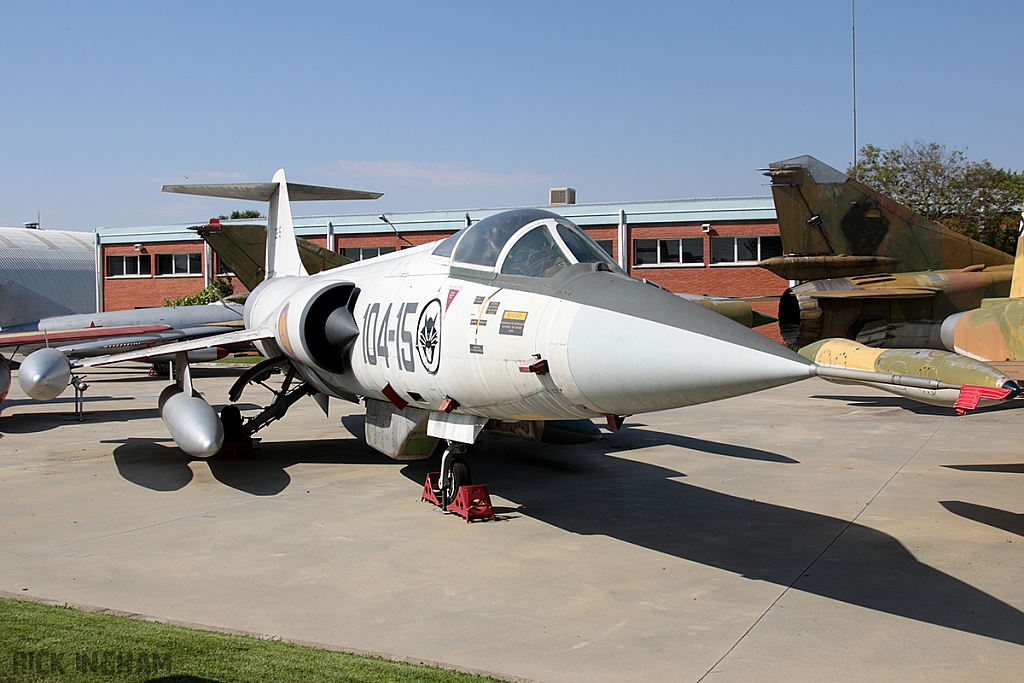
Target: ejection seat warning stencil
512,322
492,308
476,348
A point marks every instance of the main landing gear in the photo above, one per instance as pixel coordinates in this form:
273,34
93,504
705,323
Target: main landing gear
452,489
238,431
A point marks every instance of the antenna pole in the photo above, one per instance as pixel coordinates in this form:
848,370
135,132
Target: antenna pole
853,46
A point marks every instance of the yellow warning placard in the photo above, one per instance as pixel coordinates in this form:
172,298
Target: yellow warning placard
513,322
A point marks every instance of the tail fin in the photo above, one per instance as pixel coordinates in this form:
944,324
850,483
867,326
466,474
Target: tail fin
833,221
1017,284
282,256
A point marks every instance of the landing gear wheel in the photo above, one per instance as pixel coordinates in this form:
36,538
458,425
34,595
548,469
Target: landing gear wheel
231,418
458,476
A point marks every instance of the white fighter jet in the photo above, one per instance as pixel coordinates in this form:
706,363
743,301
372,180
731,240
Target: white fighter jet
514,322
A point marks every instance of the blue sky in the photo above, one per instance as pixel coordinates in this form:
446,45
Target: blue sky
476,104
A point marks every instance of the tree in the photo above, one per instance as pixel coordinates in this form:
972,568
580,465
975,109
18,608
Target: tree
235,215
217,289
973,198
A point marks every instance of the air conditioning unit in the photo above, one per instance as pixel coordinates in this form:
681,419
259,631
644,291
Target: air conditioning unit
561,195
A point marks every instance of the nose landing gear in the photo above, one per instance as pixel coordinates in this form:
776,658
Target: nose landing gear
452,488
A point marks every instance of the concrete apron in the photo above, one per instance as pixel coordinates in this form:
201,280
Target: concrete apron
810,532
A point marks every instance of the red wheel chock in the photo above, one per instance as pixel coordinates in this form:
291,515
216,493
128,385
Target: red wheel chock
429,486
471,502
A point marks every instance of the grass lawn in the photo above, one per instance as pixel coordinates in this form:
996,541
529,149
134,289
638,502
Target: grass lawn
240,360
47,643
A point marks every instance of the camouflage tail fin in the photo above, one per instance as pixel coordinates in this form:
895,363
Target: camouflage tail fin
829,221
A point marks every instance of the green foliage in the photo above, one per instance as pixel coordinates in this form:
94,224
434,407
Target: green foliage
235,215
220,286
46,643
973,198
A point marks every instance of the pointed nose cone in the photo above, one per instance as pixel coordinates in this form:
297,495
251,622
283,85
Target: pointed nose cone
624,364
44,374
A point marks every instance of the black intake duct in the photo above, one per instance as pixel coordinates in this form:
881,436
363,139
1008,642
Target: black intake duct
329,327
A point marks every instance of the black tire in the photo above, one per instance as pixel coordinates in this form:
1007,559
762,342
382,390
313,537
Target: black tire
231,418
460,476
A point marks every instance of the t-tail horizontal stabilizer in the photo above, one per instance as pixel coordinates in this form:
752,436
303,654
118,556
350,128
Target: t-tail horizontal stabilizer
263,192
282,256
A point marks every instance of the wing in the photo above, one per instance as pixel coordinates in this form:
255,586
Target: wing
892,293
9,340
126,343
190,345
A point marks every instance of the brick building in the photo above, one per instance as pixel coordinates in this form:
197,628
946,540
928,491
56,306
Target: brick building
699,246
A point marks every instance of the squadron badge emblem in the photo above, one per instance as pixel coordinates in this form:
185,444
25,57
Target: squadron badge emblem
428,336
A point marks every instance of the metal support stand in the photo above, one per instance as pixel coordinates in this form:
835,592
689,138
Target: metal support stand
80,415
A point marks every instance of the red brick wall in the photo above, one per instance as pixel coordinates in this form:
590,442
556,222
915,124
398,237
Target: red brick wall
120,293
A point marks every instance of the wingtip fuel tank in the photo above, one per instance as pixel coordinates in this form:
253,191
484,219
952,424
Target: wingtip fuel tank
44,374
952,370
192,422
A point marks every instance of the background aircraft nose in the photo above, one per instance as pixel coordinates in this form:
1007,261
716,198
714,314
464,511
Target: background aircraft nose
623,364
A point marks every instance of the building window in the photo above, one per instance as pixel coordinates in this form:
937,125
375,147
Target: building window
135,264
685,250
363,253
745,249
179,264
607,246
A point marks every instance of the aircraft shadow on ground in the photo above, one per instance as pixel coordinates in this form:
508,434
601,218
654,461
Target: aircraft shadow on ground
585,490
645,438
1000,519
62,400
30,423
159,465
1002,468
889,401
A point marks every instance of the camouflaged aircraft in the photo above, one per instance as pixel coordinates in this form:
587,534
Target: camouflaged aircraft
516,324
994,332
875,271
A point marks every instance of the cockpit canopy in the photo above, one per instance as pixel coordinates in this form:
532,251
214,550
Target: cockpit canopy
523,242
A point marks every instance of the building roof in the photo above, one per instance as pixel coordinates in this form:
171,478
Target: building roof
707,210
59,265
